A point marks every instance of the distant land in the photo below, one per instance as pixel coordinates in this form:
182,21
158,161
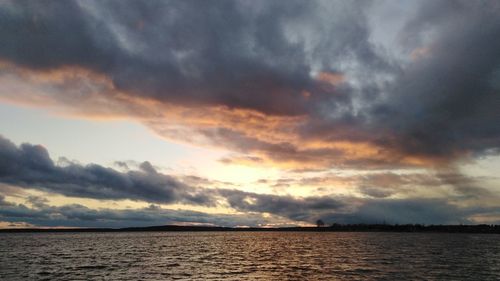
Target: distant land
482,228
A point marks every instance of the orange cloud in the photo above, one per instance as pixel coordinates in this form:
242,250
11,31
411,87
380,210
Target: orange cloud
333,78
275,140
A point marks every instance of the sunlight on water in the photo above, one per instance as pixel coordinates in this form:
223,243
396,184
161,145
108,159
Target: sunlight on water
248,256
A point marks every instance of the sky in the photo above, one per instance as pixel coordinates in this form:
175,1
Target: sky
249,113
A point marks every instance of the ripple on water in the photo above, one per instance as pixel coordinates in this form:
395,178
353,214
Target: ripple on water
248,256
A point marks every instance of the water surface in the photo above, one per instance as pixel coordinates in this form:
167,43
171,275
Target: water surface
249,256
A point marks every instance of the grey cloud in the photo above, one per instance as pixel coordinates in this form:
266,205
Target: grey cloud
51,34
30,166
80,216
260,55
377,192
121,164
425,211
233,53
298,209
446,102
403,211
11,210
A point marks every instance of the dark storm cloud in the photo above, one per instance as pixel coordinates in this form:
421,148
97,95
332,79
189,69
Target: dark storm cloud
318,59
80,216
298,209
426,211
30,166
403,211
11,210
52,34
446,101
234,53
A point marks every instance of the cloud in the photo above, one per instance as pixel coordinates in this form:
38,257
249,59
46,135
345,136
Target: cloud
301,86
445,102
287,65
75,215
404,211
426,211
398,197
297,209
30,166
6,224
391,184
228,53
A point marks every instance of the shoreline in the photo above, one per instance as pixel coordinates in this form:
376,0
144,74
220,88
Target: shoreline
485,229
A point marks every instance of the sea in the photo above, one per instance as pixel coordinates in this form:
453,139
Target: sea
249,256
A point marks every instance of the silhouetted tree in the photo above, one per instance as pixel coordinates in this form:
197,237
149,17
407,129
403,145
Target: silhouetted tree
320,223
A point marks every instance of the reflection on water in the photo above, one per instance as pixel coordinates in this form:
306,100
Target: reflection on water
248,256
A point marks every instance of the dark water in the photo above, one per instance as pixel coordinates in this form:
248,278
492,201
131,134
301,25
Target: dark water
249,256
